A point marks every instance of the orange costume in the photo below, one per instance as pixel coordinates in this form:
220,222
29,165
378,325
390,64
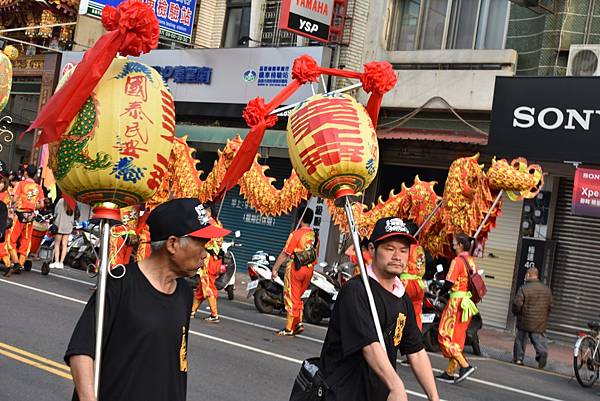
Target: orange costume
210,270
366,258
412,278
296,281
457,315
121,236
6,198
28,197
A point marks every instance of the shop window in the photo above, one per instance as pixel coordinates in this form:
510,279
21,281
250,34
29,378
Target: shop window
237,23
447,24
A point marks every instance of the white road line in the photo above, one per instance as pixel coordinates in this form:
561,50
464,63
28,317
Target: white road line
66,278
260,326
260,351
44,291
281,317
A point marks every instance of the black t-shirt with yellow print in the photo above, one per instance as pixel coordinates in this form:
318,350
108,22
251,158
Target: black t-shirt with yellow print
144,354
351,328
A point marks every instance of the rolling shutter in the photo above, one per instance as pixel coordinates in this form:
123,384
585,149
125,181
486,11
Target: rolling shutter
576,270
499,263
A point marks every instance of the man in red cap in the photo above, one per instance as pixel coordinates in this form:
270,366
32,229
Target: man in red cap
353,361
147,314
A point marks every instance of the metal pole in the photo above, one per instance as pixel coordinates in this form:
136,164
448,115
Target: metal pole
363,271
37,27
100,298
489,213
341,90
437,207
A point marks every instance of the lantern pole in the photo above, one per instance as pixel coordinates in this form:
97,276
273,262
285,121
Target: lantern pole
100,300
363,271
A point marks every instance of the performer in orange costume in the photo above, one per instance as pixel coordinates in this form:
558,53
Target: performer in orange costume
210,270
459,310
6,198
28,198
412,278
123,237
297,278
364,247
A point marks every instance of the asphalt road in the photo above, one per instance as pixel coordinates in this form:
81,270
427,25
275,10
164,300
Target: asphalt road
237,360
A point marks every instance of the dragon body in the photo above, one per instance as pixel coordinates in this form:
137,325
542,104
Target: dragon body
469,194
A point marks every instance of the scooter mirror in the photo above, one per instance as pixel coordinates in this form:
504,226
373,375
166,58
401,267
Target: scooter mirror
238,234
439,268
271,258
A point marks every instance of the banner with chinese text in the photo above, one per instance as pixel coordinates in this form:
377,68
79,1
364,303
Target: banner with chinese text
176,17
586,193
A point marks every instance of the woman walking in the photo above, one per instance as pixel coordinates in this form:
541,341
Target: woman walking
64,219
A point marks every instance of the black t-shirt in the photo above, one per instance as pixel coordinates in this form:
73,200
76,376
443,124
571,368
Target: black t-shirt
351,328
144,353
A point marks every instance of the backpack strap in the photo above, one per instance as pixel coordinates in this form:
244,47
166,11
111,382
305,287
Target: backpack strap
467,265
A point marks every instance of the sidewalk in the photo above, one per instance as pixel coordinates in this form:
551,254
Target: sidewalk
498,344
495,343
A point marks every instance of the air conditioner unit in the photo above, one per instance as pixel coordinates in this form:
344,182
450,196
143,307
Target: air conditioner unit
584,61
538,6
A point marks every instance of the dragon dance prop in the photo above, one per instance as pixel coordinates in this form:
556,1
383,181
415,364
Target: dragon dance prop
110,127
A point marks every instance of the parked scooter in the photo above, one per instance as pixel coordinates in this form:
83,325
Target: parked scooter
84,247
226,280
433,307
321,295
267,293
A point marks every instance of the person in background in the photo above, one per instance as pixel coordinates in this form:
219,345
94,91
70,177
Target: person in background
532,307
458,312
206,289
64,219
28,198
364,247
6,199
412,278
297,275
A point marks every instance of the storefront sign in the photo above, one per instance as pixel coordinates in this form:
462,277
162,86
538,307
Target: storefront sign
230,76
175,17
586,193
532,254
546,119
310,18
321,224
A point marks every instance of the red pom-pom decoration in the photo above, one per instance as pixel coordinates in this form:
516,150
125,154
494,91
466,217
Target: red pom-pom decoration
137,22
305,69
378,77
256,111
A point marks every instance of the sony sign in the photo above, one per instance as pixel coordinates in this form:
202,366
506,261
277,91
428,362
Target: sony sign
553,118
546,119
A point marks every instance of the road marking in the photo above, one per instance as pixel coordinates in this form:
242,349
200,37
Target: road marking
271,354
35,364
66,278
34,356
43,291
490,384
280,317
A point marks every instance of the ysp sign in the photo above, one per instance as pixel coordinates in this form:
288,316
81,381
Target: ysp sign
546,119
310,18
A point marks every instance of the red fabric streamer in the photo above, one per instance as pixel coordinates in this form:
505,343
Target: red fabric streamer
71,203
133,30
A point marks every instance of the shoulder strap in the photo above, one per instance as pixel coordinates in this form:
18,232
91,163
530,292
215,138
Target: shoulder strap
467,265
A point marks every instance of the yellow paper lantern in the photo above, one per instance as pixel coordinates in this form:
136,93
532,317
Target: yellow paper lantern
117,148
5,77
333,145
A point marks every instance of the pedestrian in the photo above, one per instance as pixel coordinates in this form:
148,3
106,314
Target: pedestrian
210,270
28,198
412,279
532,307
300,252
64,219
6,219
459,310
351,353
144,353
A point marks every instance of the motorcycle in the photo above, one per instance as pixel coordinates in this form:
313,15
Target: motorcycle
267,293
226,280
433,307
84,246
320,297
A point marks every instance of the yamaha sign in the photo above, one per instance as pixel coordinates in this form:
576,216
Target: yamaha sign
546,118
310,18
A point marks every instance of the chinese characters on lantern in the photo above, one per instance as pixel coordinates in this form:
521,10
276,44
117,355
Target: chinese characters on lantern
332,124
